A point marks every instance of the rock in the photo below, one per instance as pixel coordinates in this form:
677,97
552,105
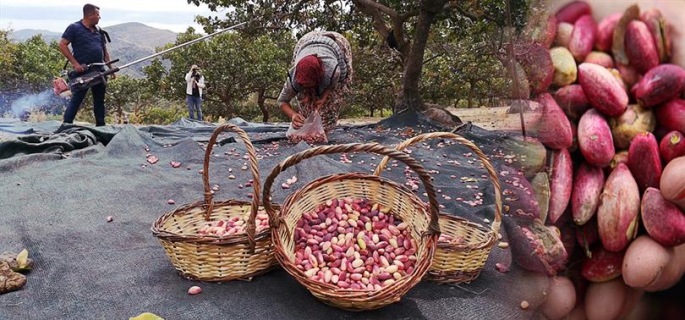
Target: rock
10,280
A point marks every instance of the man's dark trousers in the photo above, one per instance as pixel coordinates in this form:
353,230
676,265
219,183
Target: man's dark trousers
98,104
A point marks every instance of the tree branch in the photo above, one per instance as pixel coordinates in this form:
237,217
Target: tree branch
433,57
377,6
405,16
471,16
375,15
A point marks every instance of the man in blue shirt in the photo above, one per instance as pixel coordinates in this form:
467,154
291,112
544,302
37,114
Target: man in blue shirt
89,46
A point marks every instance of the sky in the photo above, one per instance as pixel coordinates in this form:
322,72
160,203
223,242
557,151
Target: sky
56,15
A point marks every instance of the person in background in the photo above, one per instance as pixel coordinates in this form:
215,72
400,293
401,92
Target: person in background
195,83
320,78
89,46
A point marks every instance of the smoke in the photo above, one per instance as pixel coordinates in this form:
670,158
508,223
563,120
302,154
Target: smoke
30,102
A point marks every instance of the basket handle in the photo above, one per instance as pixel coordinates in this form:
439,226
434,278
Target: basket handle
488,166
254,168
433,226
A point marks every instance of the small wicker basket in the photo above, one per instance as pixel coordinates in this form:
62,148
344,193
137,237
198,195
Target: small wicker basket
209,257
460,262
422,220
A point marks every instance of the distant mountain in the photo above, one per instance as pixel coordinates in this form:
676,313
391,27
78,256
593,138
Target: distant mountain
130,41
24,34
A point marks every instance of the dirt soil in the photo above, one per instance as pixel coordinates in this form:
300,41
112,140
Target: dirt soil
487,118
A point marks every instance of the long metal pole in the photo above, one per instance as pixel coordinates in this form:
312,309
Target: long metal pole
181,45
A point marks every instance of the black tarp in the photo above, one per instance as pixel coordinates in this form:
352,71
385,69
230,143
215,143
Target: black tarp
58,185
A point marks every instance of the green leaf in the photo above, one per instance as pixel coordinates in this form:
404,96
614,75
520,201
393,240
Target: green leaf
146,316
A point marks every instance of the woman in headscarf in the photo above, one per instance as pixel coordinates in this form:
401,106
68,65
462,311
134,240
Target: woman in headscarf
319,79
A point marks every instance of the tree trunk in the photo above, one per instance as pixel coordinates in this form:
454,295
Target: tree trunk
120,113
226,99
410,97
472,89
260,101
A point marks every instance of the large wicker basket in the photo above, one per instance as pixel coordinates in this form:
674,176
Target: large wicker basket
462,261
422,220
209,257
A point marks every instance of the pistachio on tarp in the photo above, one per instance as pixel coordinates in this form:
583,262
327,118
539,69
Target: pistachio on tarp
10,280
536,247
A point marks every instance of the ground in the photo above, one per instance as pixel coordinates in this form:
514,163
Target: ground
487,118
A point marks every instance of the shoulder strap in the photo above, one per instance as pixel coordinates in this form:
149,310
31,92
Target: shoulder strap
105,36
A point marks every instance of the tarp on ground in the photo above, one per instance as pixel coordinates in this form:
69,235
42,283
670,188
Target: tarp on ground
59,183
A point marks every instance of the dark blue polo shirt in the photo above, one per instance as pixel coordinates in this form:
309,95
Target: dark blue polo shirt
87,45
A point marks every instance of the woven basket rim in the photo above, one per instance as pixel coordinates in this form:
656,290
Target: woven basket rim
491,235
373,147
249,235
159,232
352,300
465,142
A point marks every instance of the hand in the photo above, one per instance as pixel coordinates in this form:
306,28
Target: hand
297,120
113,75
79,68
318,104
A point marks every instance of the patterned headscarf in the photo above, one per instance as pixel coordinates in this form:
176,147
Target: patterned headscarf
309,71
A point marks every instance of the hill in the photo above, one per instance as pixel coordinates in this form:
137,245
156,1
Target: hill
130,41
24,34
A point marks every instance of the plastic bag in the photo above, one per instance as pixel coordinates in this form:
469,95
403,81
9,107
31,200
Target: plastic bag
60,87
310,132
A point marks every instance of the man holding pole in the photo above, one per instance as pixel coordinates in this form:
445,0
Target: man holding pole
89,46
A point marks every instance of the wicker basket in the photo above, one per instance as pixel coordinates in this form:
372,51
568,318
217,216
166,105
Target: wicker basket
423,221
209,257
457,263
